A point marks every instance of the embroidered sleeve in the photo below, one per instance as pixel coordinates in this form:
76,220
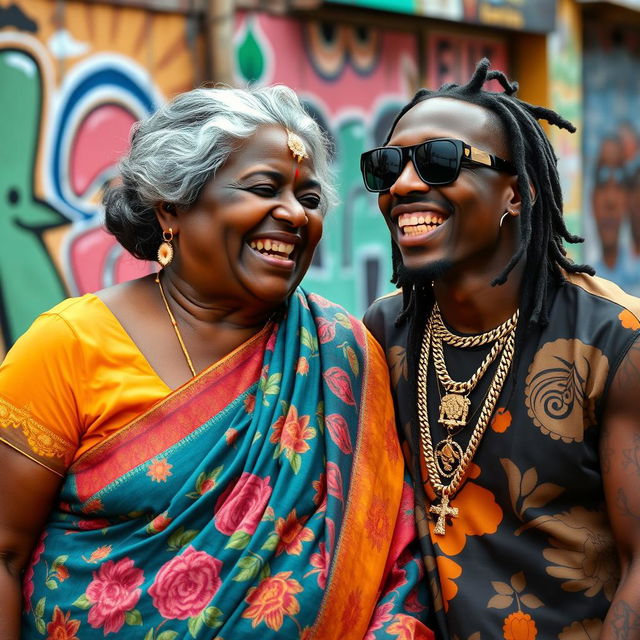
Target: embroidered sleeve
39,382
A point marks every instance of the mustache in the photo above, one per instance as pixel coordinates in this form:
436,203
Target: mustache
432,197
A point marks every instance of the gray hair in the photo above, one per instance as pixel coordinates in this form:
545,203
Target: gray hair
180,147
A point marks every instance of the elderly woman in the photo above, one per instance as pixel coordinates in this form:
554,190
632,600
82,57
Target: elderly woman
209,451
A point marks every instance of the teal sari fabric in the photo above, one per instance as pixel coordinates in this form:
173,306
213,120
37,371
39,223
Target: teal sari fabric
229,509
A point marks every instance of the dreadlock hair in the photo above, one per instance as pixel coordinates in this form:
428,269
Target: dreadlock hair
542,228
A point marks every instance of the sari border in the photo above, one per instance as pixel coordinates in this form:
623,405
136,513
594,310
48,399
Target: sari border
173,401
23,433
346,564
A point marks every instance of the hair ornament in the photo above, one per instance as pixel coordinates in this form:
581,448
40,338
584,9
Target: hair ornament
296,146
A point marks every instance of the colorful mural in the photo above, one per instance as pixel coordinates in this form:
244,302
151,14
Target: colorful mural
453,58
524,15
611,142
565,80
74,78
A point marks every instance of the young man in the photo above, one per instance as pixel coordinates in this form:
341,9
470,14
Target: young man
516,376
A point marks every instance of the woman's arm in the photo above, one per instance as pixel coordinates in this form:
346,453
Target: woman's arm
27,492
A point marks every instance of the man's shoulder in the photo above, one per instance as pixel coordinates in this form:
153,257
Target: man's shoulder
385,308
380,317
608,292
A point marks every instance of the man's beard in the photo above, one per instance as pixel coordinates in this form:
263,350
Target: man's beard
423,275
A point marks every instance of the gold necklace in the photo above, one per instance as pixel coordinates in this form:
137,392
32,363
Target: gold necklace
175,327
454,405
448,451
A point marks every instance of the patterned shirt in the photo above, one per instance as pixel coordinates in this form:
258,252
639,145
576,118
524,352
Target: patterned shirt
531,553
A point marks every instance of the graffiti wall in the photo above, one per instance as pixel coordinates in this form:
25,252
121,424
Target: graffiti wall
611,142
74,78
77,75
565,84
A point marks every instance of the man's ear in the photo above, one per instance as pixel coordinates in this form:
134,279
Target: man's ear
515,202
167,216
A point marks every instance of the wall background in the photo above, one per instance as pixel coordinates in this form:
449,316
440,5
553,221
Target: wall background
75,75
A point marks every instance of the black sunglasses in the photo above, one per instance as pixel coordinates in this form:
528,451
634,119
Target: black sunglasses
436,161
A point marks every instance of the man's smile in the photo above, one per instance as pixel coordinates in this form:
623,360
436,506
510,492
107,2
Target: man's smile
412,224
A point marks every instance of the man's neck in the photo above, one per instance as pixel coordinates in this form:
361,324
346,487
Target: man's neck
471,305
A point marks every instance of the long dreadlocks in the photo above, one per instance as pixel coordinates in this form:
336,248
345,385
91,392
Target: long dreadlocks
542,228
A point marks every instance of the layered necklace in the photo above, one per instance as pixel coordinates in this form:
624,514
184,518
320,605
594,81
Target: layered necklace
447,460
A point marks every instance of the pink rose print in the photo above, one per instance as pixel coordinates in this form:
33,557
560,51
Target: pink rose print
27,581
112,592
320,563
380,616
405,529
159,523
241,506
90,525
185,585
396,579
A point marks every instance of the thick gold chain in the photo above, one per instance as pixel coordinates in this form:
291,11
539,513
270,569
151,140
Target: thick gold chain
469,385
477,339
445,492
441,334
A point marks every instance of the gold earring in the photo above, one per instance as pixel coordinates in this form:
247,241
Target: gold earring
165,250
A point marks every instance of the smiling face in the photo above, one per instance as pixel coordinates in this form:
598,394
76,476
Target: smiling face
455,227
250,237
609,197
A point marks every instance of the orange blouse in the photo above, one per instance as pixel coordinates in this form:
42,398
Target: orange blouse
73,379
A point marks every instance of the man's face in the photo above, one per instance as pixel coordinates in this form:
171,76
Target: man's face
609,195
454,227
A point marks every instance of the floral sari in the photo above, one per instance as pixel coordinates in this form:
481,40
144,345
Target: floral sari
265,497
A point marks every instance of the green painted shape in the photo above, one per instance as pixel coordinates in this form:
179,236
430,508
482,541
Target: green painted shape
30,282
397,6
250,55
358,219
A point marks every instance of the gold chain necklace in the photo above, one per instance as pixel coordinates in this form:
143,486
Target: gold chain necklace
175,327
454,405
448,452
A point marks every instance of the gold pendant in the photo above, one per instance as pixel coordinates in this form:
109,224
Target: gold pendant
448,455
443,510
453,410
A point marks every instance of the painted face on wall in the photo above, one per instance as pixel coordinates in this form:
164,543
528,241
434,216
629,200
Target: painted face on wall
250,237
457,225
609,197
634,208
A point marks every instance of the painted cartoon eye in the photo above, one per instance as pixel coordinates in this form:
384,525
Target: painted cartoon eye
327,46
13,196
364,48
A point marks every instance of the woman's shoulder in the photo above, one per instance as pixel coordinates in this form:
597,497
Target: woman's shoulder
77,309
64,321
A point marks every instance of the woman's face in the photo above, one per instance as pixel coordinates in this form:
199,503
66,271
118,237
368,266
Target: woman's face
251,235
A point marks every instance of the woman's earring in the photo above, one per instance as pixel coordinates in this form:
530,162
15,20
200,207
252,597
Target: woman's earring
165,250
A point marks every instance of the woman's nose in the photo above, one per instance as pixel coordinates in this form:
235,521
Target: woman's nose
290,210
408,181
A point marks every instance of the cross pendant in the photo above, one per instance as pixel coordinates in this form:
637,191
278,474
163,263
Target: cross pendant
443,510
